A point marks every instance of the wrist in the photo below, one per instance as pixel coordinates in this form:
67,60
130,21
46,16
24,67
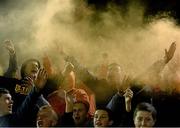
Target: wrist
166,60
128,100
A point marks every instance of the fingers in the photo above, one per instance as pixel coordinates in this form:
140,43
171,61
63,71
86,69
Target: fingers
8,44
28,81
68,68
128,93
172,47
7,41
42,74
128,97
170,52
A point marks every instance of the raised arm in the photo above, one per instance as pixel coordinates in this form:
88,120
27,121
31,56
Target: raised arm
152,74
69,102
30,101
12,69
170,52
128,93
80,71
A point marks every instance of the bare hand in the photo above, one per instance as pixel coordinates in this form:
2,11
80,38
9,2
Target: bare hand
8,44
128,98
68,68
128,95
41,79
170,53
28,81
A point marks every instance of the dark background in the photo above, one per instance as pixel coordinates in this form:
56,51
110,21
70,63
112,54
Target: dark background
152,7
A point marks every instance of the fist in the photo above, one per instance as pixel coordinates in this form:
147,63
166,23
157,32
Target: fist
128,95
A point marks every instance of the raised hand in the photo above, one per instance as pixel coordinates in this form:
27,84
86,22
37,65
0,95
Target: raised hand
8,44
170,53
28,81
41,79
68,68
128,95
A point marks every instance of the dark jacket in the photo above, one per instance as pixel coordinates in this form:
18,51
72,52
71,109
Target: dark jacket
102,89
168,109
117,105
19,92
67,121
22,113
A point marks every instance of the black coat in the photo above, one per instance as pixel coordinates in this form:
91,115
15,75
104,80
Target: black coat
22,113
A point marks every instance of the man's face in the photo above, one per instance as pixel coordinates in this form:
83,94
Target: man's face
32,69
143,119
101,119
46,117
79,113
6,104
114,75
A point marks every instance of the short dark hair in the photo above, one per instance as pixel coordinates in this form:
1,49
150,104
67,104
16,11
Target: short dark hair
145,107
86,104
109,111
3,91
25,64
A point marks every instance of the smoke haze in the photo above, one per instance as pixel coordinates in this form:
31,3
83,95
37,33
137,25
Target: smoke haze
82,31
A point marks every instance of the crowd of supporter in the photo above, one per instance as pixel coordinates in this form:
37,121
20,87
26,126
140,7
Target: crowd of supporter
76,97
